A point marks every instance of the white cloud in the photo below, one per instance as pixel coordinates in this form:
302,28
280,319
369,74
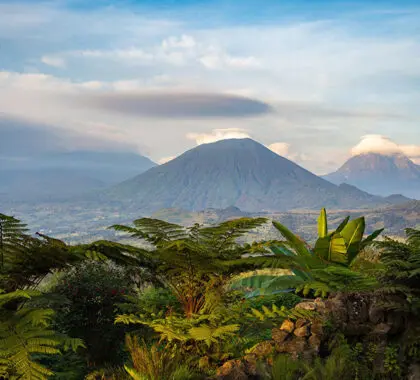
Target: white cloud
217,135
384,145
183,42
178,51
281,148
376,144
53,61
164,160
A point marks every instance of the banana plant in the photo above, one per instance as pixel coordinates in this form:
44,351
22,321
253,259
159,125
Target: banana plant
344,243
320,268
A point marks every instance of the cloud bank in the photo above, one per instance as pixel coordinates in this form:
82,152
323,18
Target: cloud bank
176,105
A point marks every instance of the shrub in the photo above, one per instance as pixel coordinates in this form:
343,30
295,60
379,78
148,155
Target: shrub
92,290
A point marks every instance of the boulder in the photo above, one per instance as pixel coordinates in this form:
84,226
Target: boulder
301,322
381,329
288,326
310,306
314,342
263,349
302,331
279,336
317,328
232,370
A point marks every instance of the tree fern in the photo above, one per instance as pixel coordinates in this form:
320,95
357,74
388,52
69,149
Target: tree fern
12,233
401,273
25,332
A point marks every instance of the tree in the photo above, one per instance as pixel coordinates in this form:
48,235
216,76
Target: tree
12,234
192,262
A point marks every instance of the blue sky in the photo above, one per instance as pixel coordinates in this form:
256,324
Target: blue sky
309,79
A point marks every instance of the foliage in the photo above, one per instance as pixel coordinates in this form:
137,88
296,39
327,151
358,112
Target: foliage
12,236
338,365
288,300
24,332
154,363
286,368
321,269
92,290
282,313
400,277
191,262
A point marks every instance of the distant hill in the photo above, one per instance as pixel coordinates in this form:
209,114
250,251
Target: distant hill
235,172
380,174
304,223
58,176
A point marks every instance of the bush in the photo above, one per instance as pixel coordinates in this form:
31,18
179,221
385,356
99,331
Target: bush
92,290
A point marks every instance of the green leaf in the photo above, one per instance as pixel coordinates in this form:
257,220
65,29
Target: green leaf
322,224
298,245
342,224
353,235
332,248
371,237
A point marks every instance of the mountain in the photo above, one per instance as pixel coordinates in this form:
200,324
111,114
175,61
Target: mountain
380,174
235,172
57,176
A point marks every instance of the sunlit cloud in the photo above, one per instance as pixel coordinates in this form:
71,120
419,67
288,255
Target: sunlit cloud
218,135
384,145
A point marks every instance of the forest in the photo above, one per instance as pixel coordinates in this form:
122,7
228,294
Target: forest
197,303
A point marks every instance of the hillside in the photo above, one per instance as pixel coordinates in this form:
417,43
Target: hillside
236,172
393,218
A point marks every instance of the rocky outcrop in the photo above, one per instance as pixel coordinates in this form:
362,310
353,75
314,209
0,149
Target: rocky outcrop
356,315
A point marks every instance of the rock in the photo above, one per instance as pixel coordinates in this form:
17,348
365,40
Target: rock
357,329
336,307
251,361
314,342
296,346
320,305
302,331
317,328
301,322
414,372
232,370
288,326
376,314
357,308
281,347
263,349
381,329
279,336
306,306
396,320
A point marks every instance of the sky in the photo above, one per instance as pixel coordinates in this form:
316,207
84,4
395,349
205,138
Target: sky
315,81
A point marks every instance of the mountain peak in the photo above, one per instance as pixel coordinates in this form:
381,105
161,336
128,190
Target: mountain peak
382,174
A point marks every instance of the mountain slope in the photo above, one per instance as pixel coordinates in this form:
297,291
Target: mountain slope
237,172
380,174
62,175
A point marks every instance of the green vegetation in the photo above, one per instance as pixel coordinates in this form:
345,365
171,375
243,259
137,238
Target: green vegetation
195,303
